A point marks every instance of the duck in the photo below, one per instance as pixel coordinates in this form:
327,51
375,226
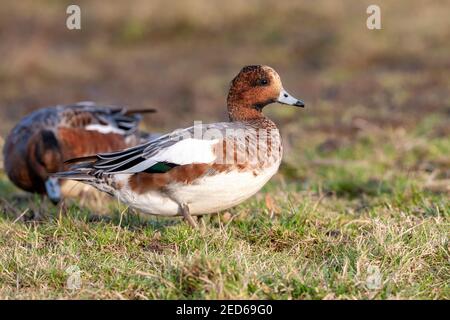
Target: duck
202,169
40,143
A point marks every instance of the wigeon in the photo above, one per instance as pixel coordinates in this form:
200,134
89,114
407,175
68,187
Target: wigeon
202,169
38,145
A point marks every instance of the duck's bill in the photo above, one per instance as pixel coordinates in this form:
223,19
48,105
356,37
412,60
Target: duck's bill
53,190
286,98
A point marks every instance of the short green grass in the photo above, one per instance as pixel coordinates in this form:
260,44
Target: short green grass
363,221
360,207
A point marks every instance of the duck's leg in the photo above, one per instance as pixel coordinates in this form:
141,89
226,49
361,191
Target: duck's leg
187,215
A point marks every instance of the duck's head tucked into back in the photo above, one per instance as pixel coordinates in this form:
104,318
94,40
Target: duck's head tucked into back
254,88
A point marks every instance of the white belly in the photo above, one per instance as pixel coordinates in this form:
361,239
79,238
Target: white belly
208,195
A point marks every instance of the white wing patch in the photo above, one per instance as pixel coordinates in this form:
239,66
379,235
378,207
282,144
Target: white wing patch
104,129
186,151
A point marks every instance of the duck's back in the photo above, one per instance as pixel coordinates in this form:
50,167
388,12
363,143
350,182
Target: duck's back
66,132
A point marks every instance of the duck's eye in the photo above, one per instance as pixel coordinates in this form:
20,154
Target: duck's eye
262,82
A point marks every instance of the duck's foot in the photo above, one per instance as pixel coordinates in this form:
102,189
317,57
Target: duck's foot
187,216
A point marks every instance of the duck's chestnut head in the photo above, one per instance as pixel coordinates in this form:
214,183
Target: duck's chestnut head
255,87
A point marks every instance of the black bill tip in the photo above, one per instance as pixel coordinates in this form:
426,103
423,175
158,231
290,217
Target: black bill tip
300,104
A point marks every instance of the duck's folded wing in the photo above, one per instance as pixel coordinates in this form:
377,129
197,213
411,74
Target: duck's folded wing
104,119
162,159
180,147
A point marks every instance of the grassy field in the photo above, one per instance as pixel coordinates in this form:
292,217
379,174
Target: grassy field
366,221
359,209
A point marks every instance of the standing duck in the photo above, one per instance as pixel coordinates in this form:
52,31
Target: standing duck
38,145
202,169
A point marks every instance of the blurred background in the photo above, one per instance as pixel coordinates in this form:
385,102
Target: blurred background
362,87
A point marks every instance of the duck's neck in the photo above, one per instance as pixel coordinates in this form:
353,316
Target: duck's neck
240,110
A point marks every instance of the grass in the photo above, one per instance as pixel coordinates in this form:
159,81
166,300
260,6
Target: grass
359,208
359,226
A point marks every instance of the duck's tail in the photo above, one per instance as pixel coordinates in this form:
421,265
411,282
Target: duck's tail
81,169
74,175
